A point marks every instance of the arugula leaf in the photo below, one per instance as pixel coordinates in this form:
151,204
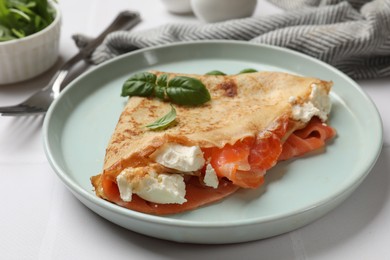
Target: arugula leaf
5,34
187,91
163,122
21,18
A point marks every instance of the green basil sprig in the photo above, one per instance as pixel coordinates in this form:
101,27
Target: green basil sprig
181,90
187,91
140,84
160,88
164,121
217,72
247,71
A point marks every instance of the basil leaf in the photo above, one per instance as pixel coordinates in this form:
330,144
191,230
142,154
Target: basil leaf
164,121
215,72
140,84
162,80
160,88
187,91
247,71
159,92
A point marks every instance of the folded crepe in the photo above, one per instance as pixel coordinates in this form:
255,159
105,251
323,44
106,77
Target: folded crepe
252,121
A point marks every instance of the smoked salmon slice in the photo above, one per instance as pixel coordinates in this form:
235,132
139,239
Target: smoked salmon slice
242,165
246,162
242,131
308,139
197,195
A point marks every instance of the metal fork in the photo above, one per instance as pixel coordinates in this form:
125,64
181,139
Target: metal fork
40,101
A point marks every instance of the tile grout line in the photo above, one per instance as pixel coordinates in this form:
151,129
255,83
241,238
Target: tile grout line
48,243
297,245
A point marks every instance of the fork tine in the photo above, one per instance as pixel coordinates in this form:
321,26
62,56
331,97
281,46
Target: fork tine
20,109
40,101
12,109
21,113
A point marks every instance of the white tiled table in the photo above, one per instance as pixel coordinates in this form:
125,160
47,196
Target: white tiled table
41,219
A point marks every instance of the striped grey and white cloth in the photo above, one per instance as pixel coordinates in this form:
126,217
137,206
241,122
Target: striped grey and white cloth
352,35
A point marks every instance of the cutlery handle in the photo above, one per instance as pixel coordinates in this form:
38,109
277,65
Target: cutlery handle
124,21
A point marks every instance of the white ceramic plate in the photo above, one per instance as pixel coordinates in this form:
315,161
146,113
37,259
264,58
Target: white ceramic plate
78,126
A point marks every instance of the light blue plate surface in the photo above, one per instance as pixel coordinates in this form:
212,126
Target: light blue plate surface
79,124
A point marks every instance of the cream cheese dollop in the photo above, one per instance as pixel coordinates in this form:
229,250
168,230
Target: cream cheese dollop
179,157
210,178
319,104
166,188
163,188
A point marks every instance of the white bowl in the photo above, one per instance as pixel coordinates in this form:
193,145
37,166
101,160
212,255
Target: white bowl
220,10
178,6
25,58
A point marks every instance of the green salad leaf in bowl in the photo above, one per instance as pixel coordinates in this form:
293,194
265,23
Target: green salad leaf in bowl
21,18
30,33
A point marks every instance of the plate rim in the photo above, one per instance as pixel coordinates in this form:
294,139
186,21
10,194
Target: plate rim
190,223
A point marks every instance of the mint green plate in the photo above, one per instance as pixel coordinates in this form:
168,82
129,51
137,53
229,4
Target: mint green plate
79,124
